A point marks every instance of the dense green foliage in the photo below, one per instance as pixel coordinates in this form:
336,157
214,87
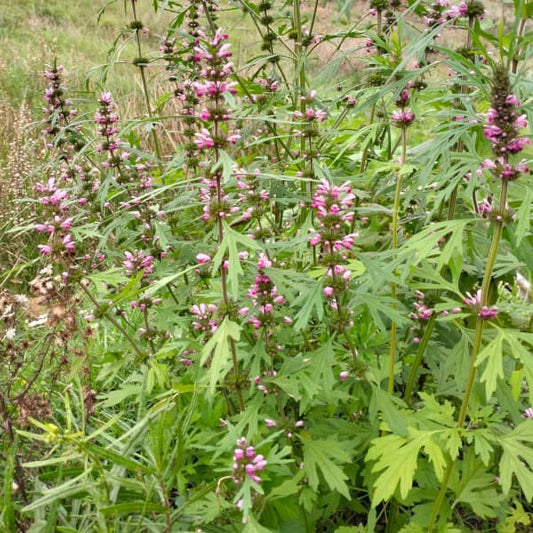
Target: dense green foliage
281,290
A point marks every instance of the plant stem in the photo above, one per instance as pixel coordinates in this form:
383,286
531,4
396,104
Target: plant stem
478,337
146,92
430,326
418,359
395,216
115,323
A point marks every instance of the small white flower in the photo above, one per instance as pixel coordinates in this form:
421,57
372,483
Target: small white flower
10,334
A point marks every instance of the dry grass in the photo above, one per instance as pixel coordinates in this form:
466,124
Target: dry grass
20,150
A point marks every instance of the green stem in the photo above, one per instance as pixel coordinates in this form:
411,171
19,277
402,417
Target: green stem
364,156
430,326
395,224
115,323
478,337
418,359
146,92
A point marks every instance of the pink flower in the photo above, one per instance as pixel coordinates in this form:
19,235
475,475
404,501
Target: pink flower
328,292
403,118
45,249
343,375
203,258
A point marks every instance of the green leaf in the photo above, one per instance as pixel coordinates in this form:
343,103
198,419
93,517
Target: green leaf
477,488
255,527
517,458
389,406
139,507
517,516
66,490
218,348
117,458
8,511
397,459
163,282
356,267
322,361
523,218
323,456
117,396
228,248
113,276
493,355
290,487
311,299
482,446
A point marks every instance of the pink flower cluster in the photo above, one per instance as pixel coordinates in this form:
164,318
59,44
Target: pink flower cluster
57,223
252,197
333,208
259,381
205,317
217,204
332,205
57,111
264,296
339,278
420,315
503,170
246,463
504,124
211,86
421,312
269,85
484,312
403,117
138,261
436,16
106,120
456,11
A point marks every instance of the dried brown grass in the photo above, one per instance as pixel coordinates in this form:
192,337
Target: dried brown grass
19,156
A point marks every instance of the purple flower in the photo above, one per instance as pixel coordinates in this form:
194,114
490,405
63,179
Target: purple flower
403,118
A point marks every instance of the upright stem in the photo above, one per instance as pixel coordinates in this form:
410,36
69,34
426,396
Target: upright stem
395,217
478,337
146,92
115,323
223,276
430,326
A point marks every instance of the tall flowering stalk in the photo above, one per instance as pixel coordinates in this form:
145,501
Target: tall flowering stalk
402,118
213,83
502,130
333,208
136,26
440,13
265,299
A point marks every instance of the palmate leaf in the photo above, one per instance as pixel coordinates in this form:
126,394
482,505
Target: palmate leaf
312,300
477,488
517,516
493,354
397,459
324,456
218,347
517,458
228,248
423,245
